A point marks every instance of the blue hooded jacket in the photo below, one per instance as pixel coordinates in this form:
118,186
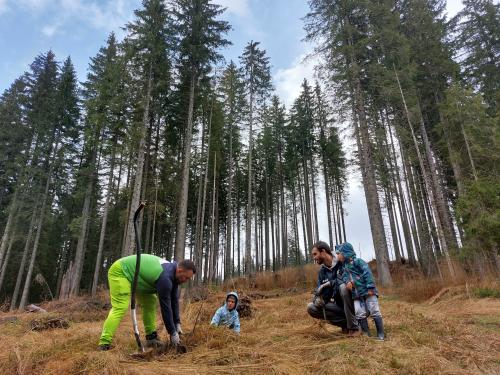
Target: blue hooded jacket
225,317
357,271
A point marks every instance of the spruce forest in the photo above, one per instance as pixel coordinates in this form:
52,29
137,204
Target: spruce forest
232,178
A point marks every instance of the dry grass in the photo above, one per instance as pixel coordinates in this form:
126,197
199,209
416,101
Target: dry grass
303,277
457,334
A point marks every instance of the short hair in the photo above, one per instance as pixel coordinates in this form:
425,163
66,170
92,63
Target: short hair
322,246
187,264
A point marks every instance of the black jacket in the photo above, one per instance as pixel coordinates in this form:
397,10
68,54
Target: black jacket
332,275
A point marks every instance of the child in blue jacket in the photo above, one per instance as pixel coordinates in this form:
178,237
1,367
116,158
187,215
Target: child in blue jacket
358,277
227,315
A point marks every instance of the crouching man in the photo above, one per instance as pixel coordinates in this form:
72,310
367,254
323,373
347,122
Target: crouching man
333,301
156,277
227,315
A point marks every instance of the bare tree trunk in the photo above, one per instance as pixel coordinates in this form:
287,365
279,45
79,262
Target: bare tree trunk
82,239
439,194
22,266
304,232
327,197
128,248
398,191
212,227
427,181
266,227
342,213
370,187
295,222
307,201
256,238
6,238
315,209
6,260
199,250
248,226
97,268
39,226
228,260
392,224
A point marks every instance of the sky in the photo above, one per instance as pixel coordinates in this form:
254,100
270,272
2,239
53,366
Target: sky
78,28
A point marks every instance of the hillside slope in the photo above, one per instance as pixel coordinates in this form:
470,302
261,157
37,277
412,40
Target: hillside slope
454,335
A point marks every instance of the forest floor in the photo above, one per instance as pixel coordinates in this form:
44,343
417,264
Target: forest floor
451,333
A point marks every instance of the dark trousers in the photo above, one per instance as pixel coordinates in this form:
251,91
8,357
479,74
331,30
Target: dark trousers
339,313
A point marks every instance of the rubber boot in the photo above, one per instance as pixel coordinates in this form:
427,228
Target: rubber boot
363,323
105,347
152,340
380,328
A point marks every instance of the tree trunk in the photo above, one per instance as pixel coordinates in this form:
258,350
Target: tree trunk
211,258
97,268
248,227
39,226
398,191
304,231
266,227
128,248
22,266
6,261
426,179
6,238
315,209
228,265
180,237
308,211
327,197
199,247
370,187
82,238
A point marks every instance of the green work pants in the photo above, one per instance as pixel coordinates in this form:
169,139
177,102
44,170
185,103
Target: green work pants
120,290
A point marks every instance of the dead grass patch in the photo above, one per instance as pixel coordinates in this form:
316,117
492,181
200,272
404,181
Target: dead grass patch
457,334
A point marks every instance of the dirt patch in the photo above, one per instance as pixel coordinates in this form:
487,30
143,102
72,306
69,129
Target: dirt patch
245,309
48,323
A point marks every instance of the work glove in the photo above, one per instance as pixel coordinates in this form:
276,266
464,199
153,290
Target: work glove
178,327
318,301
175,339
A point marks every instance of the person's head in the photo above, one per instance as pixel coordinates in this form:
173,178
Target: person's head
231,300
344,252
185,270
321,252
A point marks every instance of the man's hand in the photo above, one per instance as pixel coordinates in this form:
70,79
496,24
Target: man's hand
178,327
349,285
175,339
318,302
371,292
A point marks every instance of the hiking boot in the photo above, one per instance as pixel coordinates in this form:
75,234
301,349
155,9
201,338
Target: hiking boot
363,324
345,331
152,341
104,347
380,328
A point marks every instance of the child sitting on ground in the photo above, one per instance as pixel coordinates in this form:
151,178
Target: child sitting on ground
358,278
227,315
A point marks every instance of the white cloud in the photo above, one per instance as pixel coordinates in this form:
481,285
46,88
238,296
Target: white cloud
236,7
50,30
35,5
110,15
3,6
289,80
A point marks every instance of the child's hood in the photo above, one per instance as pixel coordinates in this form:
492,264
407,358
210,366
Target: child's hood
346,250
235,295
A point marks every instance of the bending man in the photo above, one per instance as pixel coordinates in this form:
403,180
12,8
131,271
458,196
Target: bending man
334,302
156,277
